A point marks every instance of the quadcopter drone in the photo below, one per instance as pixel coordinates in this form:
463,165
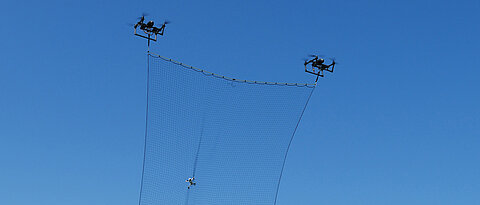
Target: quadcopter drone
149,29
191,182
319,64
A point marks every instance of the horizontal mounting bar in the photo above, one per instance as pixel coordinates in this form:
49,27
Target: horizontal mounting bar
146,37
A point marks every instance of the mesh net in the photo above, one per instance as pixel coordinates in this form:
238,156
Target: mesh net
231,135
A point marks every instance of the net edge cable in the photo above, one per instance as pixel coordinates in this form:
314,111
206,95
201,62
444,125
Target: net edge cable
228,78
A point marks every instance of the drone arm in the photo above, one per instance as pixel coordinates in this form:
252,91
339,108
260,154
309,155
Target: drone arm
306,70
307,62
317,74
310,61
331,65
161,30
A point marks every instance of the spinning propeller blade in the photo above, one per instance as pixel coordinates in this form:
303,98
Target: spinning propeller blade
142,18
334,60
318,56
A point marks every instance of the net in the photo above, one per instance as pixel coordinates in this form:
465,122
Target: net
230,136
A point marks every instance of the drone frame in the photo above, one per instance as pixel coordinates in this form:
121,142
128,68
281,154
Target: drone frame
150,30
149,33
315,73
320,70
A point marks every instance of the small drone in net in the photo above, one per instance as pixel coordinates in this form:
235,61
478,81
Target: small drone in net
149,29
318,66
191,182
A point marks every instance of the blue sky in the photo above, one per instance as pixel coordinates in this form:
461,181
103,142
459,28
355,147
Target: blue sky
397,123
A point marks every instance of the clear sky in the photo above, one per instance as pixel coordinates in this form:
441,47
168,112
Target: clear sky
397,123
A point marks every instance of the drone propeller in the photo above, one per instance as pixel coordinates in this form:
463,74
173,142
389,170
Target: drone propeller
167,22
334,60
142,18
132,25
318,56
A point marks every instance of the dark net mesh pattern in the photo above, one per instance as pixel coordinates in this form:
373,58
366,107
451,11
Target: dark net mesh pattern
232,136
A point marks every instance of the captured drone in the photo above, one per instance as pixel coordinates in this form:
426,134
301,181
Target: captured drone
319,64
149,29
191,182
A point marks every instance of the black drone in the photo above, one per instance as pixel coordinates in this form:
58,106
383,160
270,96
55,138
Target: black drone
319,64
149,29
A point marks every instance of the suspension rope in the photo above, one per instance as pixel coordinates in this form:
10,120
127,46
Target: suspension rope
146,127
289,143
196,158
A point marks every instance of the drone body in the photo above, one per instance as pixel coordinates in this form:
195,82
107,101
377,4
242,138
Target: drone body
319,63
149,29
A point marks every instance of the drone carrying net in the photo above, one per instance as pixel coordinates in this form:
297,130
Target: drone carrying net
230,136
